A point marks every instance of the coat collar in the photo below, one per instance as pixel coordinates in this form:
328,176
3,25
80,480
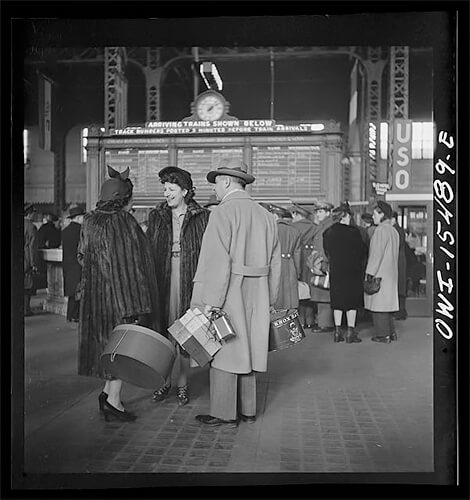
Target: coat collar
236,195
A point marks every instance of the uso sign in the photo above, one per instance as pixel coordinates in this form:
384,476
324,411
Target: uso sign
401,154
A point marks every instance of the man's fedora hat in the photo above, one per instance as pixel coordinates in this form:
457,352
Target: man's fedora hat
75,212
232,167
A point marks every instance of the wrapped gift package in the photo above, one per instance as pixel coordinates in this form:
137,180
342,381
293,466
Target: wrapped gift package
285,329
193,333
138,355
222,326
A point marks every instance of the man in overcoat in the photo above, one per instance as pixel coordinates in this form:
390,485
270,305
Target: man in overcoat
319,295
31,257
71,267
239,272
301,220
289,239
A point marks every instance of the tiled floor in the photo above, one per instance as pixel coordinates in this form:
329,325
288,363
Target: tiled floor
322,407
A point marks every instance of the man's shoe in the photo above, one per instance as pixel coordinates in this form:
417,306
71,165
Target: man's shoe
162,393
214,421
394,336
248,418
384,340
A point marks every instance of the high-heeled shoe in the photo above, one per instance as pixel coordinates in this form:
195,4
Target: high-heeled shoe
101,399
110,411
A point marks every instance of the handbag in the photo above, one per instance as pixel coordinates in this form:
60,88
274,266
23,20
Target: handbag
304,290
314,263
371,284
321,281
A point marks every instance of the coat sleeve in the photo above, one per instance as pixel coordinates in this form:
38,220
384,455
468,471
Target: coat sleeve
214,265
275,268
376,251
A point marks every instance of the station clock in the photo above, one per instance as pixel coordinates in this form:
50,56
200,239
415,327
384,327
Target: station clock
210,106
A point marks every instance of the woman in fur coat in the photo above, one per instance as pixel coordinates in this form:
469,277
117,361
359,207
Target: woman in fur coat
175,230
118,283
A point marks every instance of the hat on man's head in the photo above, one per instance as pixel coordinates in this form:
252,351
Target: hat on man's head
300,210
28,208
75,212
117,187
183,177
366,217
211,201
280,211
385,208
323,205
233,168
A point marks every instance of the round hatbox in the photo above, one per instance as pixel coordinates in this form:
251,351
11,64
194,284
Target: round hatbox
138,355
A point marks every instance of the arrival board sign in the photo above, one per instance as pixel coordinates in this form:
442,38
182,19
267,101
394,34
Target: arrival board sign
286,171
200,161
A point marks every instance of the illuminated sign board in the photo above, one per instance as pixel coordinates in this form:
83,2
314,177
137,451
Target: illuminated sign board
401,153
220,127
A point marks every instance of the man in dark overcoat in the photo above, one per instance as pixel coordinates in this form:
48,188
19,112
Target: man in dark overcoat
402,274
319,295
301,220
31,257
72,270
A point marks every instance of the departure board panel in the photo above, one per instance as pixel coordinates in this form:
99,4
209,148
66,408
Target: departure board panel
200,161
144,167
284,171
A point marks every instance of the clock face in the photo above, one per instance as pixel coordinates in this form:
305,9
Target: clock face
210,107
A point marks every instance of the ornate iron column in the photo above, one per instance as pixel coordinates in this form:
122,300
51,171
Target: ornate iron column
115,105
153,74
374,64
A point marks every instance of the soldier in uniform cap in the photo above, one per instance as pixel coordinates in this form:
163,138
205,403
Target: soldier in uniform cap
289,238
302,221
319,295
118,283
239,272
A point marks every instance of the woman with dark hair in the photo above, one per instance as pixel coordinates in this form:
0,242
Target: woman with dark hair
118,283
345,250
175,230
383,263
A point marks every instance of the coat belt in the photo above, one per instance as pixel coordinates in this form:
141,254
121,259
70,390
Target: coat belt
250,270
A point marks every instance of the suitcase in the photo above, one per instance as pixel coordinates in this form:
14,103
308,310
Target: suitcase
138,355
285,329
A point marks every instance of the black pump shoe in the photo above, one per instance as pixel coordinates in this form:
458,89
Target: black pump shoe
384,340
111,411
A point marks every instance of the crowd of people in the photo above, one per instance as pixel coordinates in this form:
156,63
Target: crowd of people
232,253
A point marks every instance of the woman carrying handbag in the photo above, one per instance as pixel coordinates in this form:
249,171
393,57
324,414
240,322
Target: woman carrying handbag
383,263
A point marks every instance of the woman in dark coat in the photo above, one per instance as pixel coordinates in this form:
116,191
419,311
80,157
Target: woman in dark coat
71,267
175,230
118,282
345,250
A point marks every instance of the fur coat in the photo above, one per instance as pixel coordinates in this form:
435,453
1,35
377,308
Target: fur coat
118,282
160,234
